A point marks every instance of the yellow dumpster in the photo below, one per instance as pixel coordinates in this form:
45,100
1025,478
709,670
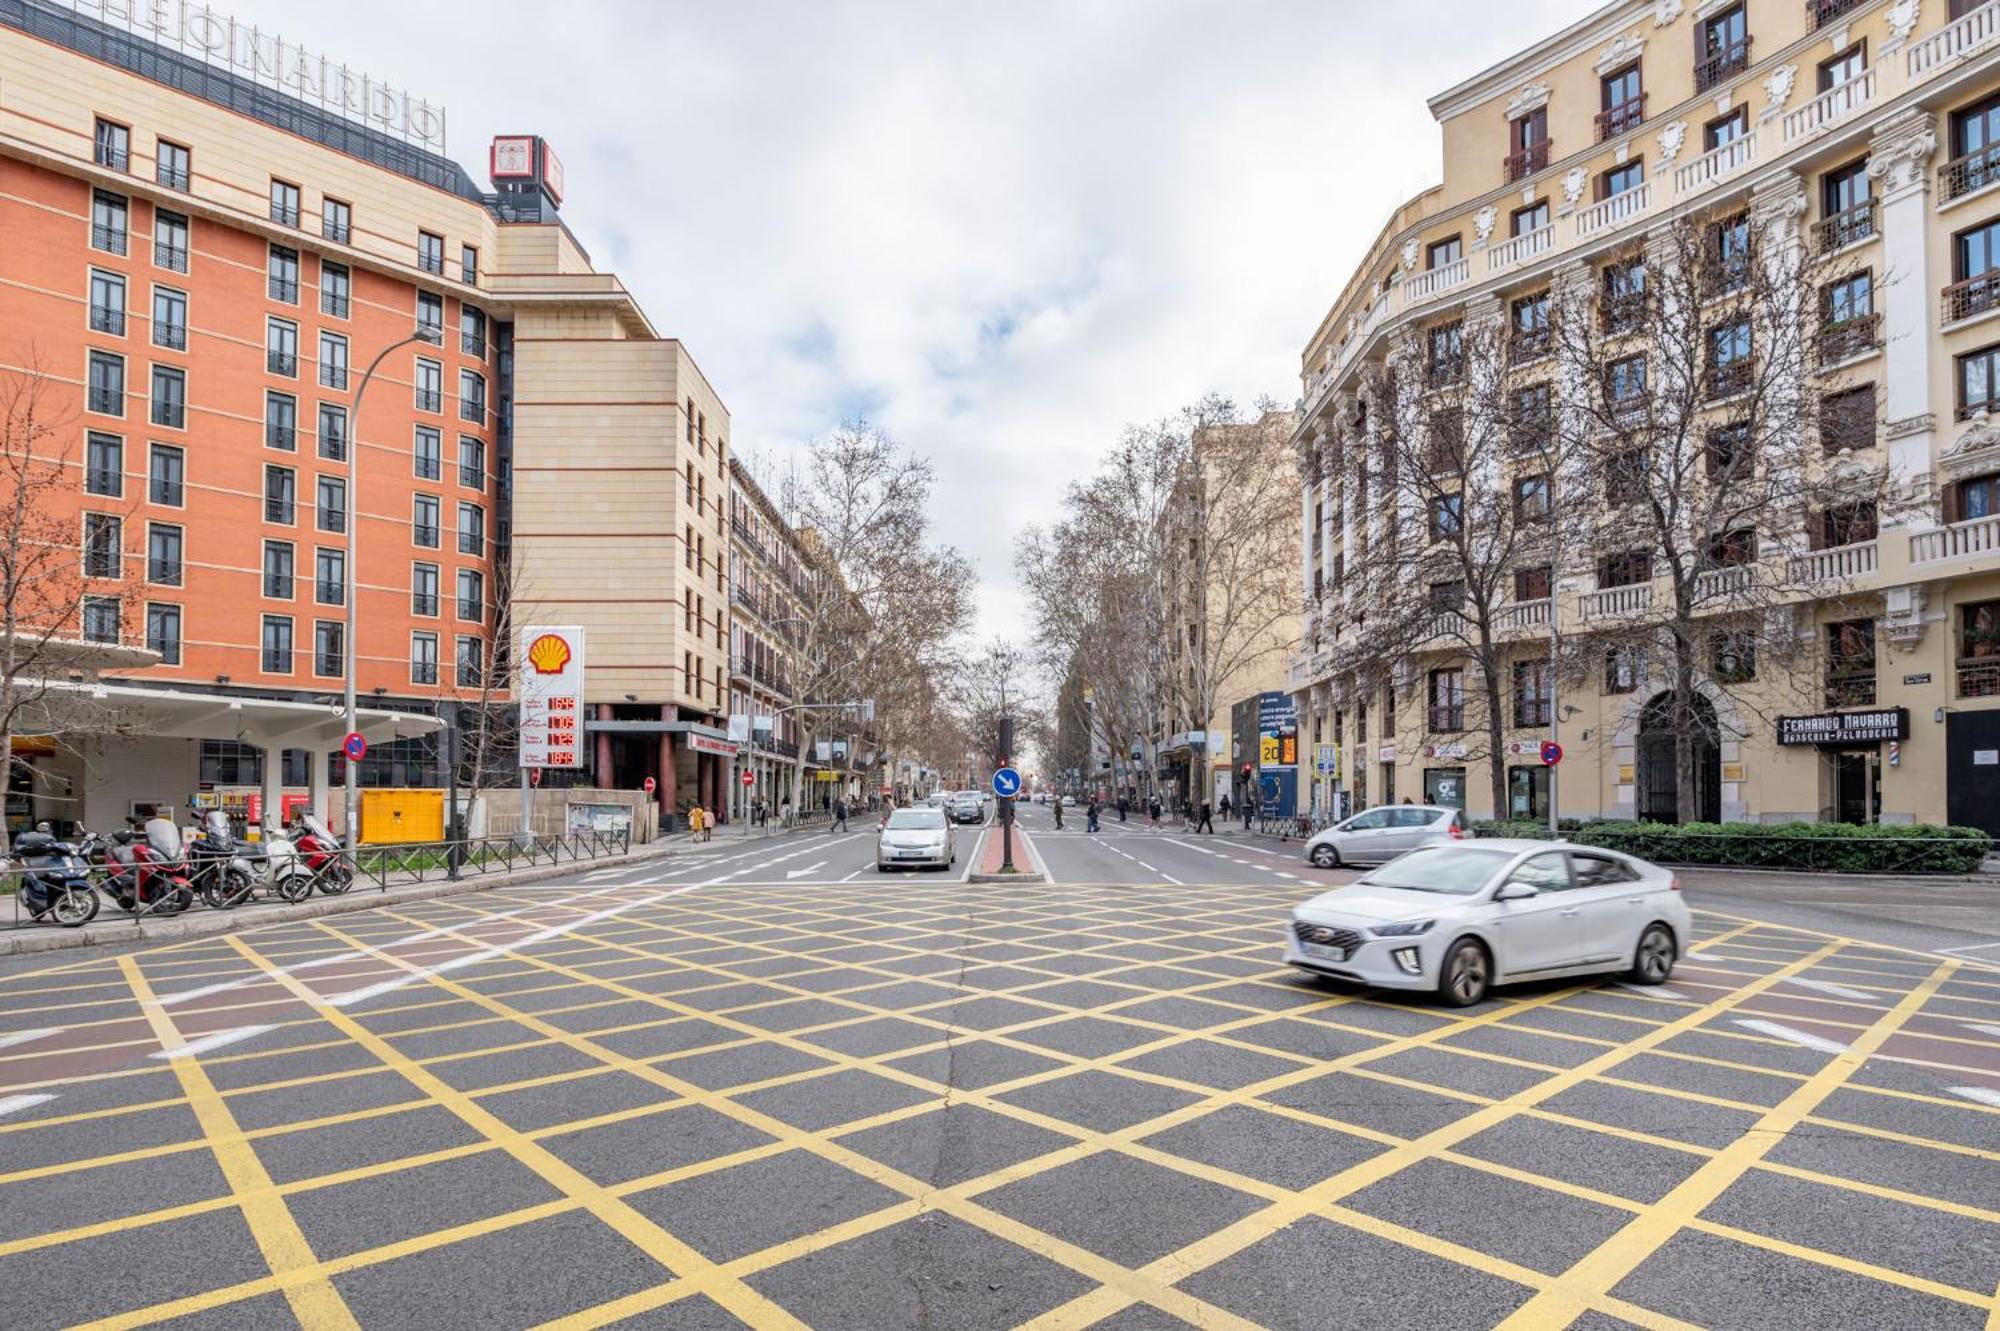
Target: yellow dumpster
390,816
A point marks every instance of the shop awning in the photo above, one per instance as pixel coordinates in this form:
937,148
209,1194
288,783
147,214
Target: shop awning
186,714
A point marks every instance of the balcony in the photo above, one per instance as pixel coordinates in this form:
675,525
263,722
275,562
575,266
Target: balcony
1716,164
330,303
1629,115
1954,42
333,591
1727,380
334,230
1614,211
1445,624
1963,175
1435,282
1613,602
1520,616
1819,13
1841,229
1445,372
1830,107
1960,540
1978,677
1526,162
1726,63
173,177
1721,584
1529,344
332,375
1974,295
1524,246
1849,338
1840,563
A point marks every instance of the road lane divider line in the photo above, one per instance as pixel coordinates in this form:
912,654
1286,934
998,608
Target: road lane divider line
14,1104
215,1041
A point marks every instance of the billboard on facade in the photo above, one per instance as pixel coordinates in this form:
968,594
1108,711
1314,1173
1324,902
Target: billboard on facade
551,693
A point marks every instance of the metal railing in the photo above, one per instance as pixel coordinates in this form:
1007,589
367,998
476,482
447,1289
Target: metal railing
1527,161
1732,59
1616,120
1839,230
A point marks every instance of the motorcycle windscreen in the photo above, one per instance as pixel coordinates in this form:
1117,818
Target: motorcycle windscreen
317,828
164,837
217,824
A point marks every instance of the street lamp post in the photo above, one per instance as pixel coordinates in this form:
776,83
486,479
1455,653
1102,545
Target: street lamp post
352,522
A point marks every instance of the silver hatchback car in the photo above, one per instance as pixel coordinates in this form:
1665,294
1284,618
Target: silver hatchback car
1378,835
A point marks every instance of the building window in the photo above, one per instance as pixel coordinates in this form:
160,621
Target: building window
427,453
335,290
1531,499
1725,130
103,546
1447,515
1529,138
284,203
108,226
471,663
170,241
424,522
1532,584
164,549
1735,548
471,462
1732,656
1977,374
1446,454
1844,524
166,475
331,504
330,576
1534,217
1843,68
169,401
336,220
328,658
170,318
1447,597
1623,100
1722,48
1727,263
1623,301
1729,366
1847,212
281,421
1444,355
277,644
332,360
1530,419
163,632
424,590
1621,179
281,495
471,332
1625,383
468,264
423,658
1442,253
281,347
472,595
333,432
1626,476
1979,649
471,529
103,619
281,278
1621,670
107,303
430,385
1850,663
430,316
471,397
1447,694
1727,451
1629,568
226,762
112,145
430,252
1847,318
1531,693
1975,264
104,465
173,166
280,567
1975,149
106,394
1528,328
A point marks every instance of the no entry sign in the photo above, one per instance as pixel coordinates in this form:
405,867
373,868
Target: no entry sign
749,778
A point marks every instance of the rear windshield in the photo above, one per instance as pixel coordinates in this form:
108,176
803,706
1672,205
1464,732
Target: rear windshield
1456,870
908,820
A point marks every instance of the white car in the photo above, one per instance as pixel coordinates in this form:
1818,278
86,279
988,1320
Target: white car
1461,918
915,839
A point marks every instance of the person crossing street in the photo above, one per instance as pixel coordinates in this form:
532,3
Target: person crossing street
1205,823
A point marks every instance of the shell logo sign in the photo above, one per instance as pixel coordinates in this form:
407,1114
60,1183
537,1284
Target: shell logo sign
548,654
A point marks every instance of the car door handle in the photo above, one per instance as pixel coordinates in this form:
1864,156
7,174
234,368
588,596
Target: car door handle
1573,910
1637,901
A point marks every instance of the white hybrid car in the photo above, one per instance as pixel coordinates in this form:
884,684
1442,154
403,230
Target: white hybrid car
1461,918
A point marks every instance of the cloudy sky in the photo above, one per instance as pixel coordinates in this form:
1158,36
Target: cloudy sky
1001,231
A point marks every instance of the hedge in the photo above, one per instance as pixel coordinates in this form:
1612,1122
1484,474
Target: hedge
1822,847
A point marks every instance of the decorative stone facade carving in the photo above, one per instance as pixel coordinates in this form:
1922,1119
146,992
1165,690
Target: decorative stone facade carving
1902,18
1975,451
1665,12
1409,256
1530,97
1903,620
1778,87
1574,181
1621,52
1901,151
1482,225
1671,139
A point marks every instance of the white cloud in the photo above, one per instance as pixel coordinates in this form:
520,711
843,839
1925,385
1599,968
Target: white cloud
1004,231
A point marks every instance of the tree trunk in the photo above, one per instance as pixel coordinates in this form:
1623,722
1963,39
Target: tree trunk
1684,724
1496,722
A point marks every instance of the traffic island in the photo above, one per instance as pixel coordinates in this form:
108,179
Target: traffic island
1027,868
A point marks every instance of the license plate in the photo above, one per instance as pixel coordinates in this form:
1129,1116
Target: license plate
1324,951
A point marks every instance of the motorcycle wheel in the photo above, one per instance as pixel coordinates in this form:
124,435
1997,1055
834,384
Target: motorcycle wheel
294,887
217,892
175,901
336,880
75,908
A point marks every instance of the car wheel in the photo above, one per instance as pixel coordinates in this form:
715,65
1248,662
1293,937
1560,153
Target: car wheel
1325,857
1466,975
1654,960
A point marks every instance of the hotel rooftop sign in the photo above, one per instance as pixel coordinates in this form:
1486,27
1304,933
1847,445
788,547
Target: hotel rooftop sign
270,61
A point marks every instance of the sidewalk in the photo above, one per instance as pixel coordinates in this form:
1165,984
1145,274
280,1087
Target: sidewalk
1028,866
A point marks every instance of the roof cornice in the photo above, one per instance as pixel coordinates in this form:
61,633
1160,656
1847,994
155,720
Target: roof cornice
1592,30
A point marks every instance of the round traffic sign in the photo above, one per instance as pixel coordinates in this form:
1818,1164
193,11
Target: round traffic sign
1552,753
650,785
1006,782
354,746
749,777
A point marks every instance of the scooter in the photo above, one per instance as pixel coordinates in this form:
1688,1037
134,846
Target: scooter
149,874
216,868
55,880
324,856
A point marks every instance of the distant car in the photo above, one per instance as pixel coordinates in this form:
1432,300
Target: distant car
937,799
967,806
1461,918
1378,835
915,839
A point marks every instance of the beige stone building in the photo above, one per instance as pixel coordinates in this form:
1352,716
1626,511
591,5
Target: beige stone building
1859,133
768,591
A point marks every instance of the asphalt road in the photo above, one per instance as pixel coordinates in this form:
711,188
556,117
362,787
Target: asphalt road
759,1084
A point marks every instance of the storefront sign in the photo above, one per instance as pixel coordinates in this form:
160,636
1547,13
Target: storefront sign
1732,772
709,744
1386,754
1870,727
1452,750
551,688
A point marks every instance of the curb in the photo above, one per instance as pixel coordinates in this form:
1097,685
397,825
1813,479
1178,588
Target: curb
209,923
1007,878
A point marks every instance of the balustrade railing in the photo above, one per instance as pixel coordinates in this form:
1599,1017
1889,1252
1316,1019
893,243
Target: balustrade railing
1978,537
1614,210
1838,563
1609,602
1835,104
1703,171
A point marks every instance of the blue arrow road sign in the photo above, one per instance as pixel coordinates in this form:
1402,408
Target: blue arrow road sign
1006,783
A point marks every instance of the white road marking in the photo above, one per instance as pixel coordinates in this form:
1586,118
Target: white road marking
1804,1039
1979,1095
1649,990
12,1103
208,1042
1836,990
1294,877
22,1037
1982,1028
800,873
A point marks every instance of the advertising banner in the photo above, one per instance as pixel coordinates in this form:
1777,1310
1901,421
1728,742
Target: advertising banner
551,691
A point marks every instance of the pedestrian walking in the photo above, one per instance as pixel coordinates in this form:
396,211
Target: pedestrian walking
694,821
1206,824
785,811
1153,811
839,816
1223,808
1056,803
1247,809
1122,806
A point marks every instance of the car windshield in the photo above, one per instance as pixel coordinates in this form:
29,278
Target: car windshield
915,820
1453,870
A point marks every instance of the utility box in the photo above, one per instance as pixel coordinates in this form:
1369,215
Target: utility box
389,817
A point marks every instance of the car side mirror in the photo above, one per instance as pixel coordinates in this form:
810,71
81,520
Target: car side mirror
1516,891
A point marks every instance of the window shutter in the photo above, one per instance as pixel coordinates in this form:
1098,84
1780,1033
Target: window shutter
1954,501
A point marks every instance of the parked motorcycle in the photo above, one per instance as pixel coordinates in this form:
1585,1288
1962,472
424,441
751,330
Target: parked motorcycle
324,856
216,867
55,880
149,873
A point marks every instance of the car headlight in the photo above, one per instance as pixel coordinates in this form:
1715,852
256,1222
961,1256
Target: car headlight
1402,928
